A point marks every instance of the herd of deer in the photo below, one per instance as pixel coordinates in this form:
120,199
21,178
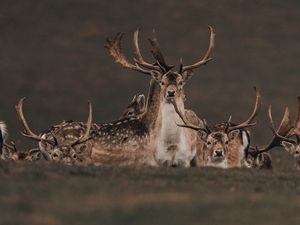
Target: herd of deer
157,130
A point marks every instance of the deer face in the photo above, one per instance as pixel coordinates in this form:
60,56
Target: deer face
217,144
171,84
135,108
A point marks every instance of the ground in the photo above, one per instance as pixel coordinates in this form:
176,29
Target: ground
42,193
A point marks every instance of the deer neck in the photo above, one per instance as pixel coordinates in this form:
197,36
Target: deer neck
152,106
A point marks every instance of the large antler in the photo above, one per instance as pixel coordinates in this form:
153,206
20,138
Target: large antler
86,135
115,49
296,129
249,121
207,56
278,135
284,128
157,53
139,58
187,124
27,131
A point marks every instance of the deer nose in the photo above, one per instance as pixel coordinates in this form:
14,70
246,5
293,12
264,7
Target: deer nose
219,153
171,93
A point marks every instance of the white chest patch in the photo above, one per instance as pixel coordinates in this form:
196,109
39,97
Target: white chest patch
3,129
173,146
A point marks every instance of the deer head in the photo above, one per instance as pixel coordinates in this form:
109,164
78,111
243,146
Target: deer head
171,81
135,108
284,135
221,138
64,152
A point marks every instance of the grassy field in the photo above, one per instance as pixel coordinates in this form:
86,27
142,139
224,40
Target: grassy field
52,52
54,194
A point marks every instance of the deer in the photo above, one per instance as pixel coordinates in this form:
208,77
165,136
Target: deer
70,149
259,157
70,129
283,136
224,144
173,146
136,108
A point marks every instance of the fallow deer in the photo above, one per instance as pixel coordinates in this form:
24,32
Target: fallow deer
173,145
225,144
68,131
135,108
284,135
259,157
71,149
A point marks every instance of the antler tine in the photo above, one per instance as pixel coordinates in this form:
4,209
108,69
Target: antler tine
139,58
157,53
279,135
27,131
228,123
186,124
115,50
206,57
86,135
284,128
296,130
248,122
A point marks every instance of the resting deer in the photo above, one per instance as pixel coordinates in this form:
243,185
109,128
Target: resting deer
225,144
284,135
259,157
71,130
135,108
172,145
70,149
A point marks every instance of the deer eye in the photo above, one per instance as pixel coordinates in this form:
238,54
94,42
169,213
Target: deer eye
226,142
130,113
180,83
208,143
297,152
162,83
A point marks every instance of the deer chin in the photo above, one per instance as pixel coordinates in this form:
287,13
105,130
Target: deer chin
217,159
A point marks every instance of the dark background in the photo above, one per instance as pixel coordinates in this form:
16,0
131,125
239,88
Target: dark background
53,53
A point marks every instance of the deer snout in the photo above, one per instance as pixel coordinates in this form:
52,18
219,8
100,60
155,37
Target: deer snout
219,153
171,93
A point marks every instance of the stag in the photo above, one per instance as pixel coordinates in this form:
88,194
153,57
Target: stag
70,149
224,144
173,146
284,136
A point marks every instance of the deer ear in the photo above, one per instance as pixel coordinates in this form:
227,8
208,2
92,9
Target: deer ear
187,75
156,75
233,134
141,101
289,147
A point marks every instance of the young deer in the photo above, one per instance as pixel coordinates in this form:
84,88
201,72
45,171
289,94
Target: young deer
224,144
172,146
135,108
70,148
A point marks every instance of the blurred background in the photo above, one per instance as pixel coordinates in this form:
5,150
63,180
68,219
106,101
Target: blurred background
52,52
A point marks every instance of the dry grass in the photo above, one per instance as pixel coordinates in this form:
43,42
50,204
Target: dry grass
55,194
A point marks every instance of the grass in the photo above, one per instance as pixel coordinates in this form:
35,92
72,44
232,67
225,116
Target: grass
45,193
